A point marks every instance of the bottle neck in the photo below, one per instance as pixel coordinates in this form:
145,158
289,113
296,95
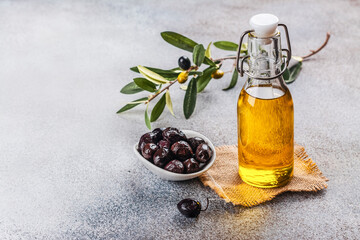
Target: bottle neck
265,57
265,61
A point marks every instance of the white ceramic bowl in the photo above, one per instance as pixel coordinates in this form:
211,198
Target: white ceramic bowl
164,174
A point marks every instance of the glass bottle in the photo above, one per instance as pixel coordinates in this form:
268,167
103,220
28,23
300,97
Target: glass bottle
265,108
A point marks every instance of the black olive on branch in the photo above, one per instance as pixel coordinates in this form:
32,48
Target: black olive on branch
184,63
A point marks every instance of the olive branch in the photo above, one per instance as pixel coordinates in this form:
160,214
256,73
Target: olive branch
157,81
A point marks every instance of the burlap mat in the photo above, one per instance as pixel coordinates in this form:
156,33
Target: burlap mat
223,178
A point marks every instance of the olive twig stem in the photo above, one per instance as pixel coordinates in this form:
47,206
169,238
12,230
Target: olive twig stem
313,52
207,205
162,90
220,60
224,58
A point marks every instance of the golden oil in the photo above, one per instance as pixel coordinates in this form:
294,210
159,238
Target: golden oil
265,135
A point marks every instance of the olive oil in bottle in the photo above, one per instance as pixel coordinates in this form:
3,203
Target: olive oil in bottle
265,111
266,146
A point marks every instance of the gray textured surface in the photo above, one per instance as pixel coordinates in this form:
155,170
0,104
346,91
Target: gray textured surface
66,165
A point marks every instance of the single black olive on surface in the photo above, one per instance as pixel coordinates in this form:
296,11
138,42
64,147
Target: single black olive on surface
148,150
184,63
161,157
182,150
203,153
146,138
158,134
191,165
173,135
190,208
195,142
164,144
175,166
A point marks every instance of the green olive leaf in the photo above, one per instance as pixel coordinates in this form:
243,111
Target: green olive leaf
138,101
158,89
299,59
158,109
147,120
190,98
198,54
286,74
132,105
179,40
131,88
294,72
226,45
208,61
151,76
145,84
176,69
208,51
244,48
171,74
167,74
234,80
204,79
168,102
199,73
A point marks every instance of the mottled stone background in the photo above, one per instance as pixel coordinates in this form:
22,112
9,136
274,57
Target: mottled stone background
67,169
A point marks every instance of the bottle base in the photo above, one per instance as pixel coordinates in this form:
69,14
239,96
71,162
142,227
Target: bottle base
266,178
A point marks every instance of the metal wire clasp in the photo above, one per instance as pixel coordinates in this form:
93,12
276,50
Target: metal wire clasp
240,68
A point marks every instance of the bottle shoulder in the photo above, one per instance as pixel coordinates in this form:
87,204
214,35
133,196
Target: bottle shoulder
265,89
264,99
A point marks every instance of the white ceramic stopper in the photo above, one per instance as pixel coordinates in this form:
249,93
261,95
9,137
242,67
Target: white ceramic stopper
264,24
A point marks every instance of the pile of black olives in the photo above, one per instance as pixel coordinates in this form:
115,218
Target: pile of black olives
171,150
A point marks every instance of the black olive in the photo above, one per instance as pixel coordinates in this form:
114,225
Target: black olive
190,208
164,144
146,138
175,166
203,153
158,133
161,157
191,165
195,142
184,63
182,150
173,135
148,150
